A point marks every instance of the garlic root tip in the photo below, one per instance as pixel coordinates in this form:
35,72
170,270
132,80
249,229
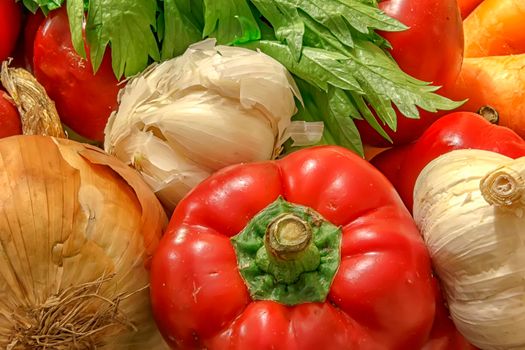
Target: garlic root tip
502,188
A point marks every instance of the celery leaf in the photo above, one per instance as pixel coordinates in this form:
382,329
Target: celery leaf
128,26
44,5
180,27
230,22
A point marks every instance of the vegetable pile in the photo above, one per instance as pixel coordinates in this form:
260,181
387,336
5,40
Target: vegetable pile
262,174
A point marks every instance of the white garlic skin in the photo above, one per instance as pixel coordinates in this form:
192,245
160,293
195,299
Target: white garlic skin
477,250
185,118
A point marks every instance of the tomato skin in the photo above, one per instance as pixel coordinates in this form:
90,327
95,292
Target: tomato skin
9,118
84,100
458,130
33,22
10,22
430,50
382,300
444,335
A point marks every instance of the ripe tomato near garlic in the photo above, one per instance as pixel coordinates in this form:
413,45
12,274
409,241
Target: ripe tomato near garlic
84,99
10,23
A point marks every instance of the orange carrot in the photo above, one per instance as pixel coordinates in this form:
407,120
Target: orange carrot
467,6
495,27
496,81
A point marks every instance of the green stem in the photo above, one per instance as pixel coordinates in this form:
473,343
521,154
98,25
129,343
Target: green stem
288,253
288,235
288,249
490,114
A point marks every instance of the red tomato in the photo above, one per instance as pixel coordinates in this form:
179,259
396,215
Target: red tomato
430,50
444,335
10,20
9,119
84,100
31,26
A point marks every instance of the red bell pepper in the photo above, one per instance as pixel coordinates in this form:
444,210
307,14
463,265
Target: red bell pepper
313,251
454,131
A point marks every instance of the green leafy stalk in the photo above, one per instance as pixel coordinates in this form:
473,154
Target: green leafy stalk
45,5
180,27
357,82
331,46
230,21
130,32
335,110
319,67
342,19
127,26
286,22
75,13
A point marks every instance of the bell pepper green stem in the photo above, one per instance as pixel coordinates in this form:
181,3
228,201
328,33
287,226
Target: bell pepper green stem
288,253
288,235
288,249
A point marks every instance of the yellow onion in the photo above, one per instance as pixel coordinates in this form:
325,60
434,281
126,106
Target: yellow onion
77,229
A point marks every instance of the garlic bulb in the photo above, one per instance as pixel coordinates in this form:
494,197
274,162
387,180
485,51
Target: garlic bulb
214,106
469,207
77,229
